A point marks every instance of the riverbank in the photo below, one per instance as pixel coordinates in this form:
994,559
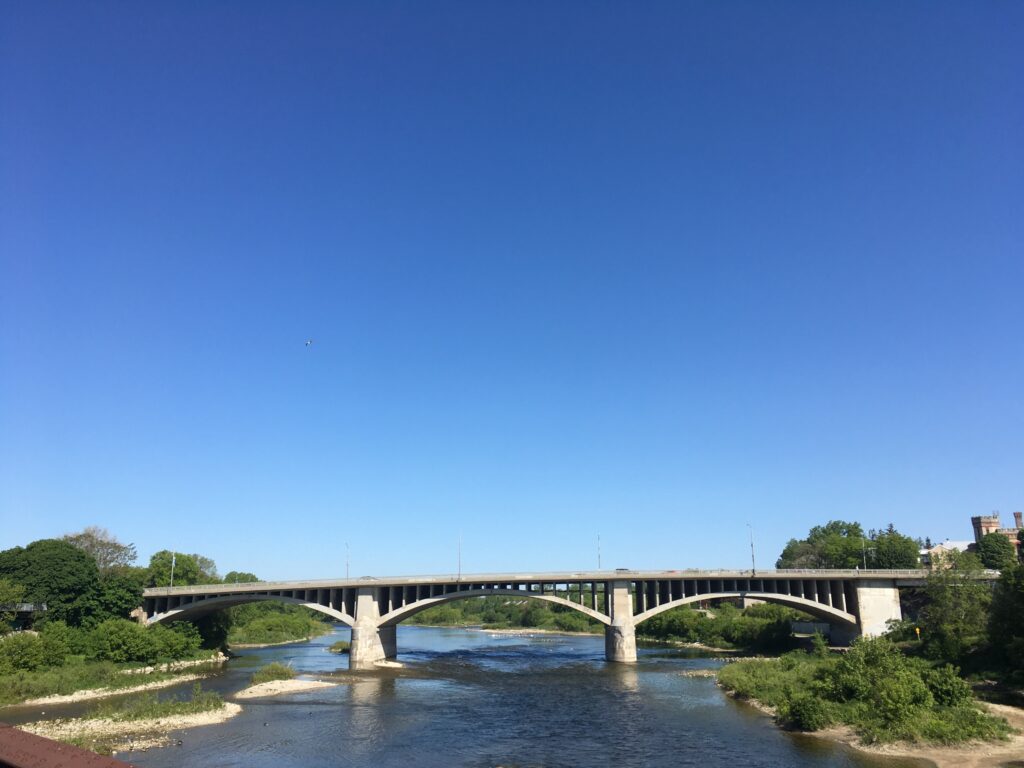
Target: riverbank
109,681
100,693
111,736
973,754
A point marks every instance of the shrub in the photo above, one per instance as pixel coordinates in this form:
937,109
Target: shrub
178,641
808,713
274,671
121,640
947,687
21,651
56,643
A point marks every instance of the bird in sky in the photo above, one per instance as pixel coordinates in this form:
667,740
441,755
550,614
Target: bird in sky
309,342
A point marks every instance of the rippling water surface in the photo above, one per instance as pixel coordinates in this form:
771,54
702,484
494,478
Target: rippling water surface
471,698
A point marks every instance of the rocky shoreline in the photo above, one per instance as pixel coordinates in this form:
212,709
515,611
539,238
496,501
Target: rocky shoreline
127,735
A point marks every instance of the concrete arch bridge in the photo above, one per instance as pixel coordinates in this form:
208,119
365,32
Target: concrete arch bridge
853,602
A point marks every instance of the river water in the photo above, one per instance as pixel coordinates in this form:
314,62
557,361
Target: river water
478,699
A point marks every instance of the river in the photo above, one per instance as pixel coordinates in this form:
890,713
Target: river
478,699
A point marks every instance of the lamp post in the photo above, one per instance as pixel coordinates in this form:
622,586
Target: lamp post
753,565
174,558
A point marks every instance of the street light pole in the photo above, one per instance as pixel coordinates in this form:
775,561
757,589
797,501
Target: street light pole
174,558
753,565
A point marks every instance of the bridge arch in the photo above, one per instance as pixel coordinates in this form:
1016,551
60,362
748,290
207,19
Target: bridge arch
818,610
199,608
398,615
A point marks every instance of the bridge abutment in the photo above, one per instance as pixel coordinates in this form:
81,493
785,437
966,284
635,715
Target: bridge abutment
620,635
878,602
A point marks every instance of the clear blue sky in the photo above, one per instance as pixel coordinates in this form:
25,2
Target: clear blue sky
650,271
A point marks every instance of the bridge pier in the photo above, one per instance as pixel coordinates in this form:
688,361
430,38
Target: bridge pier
370,641
620,635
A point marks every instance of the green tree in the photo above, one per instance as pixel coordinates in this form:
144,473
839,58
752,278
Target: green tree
954,616
186,569
891,549
10,595
996,551
120,592
837,544
239,577
105,549
120,640
207,569
56,573
1006,621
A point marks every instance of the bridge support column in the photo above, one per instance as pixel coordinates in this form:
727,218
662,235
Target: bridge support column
620,635
370,641
878,601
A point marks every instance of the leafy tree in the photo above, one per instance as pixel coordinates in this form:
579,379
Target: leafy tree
207,569
186,569
239,577
120,592
954,617
120,640
891,549
56,573
837,544
106,550
1006,622
996,551
10,595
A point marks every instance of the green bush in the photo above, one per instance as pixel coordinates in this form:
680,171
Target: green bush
808,713
947,687
883,694
56,643
178,641
21,651
121,640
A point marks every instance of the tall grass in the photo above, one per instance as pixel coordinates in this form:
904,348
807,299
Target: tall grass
273,671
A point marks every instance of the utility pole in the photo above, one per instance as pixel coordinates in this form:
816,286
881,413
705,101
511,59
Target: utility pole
174,558
599,551
346,559
753,565
459,577
864,553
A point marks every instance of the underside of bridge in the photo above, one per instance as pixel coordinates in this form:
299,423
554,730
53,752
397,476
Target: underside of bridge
851,606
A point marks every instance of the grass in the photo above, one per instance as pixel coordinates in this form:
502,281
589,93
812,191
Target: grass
342,646
77,675
274,671
150,707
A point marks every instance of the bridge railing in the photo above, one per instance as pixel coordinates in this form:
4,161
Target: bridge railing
622,574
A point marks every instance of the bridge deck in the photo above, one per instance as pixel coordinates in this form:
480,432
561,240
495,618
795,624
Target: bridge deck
907,577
